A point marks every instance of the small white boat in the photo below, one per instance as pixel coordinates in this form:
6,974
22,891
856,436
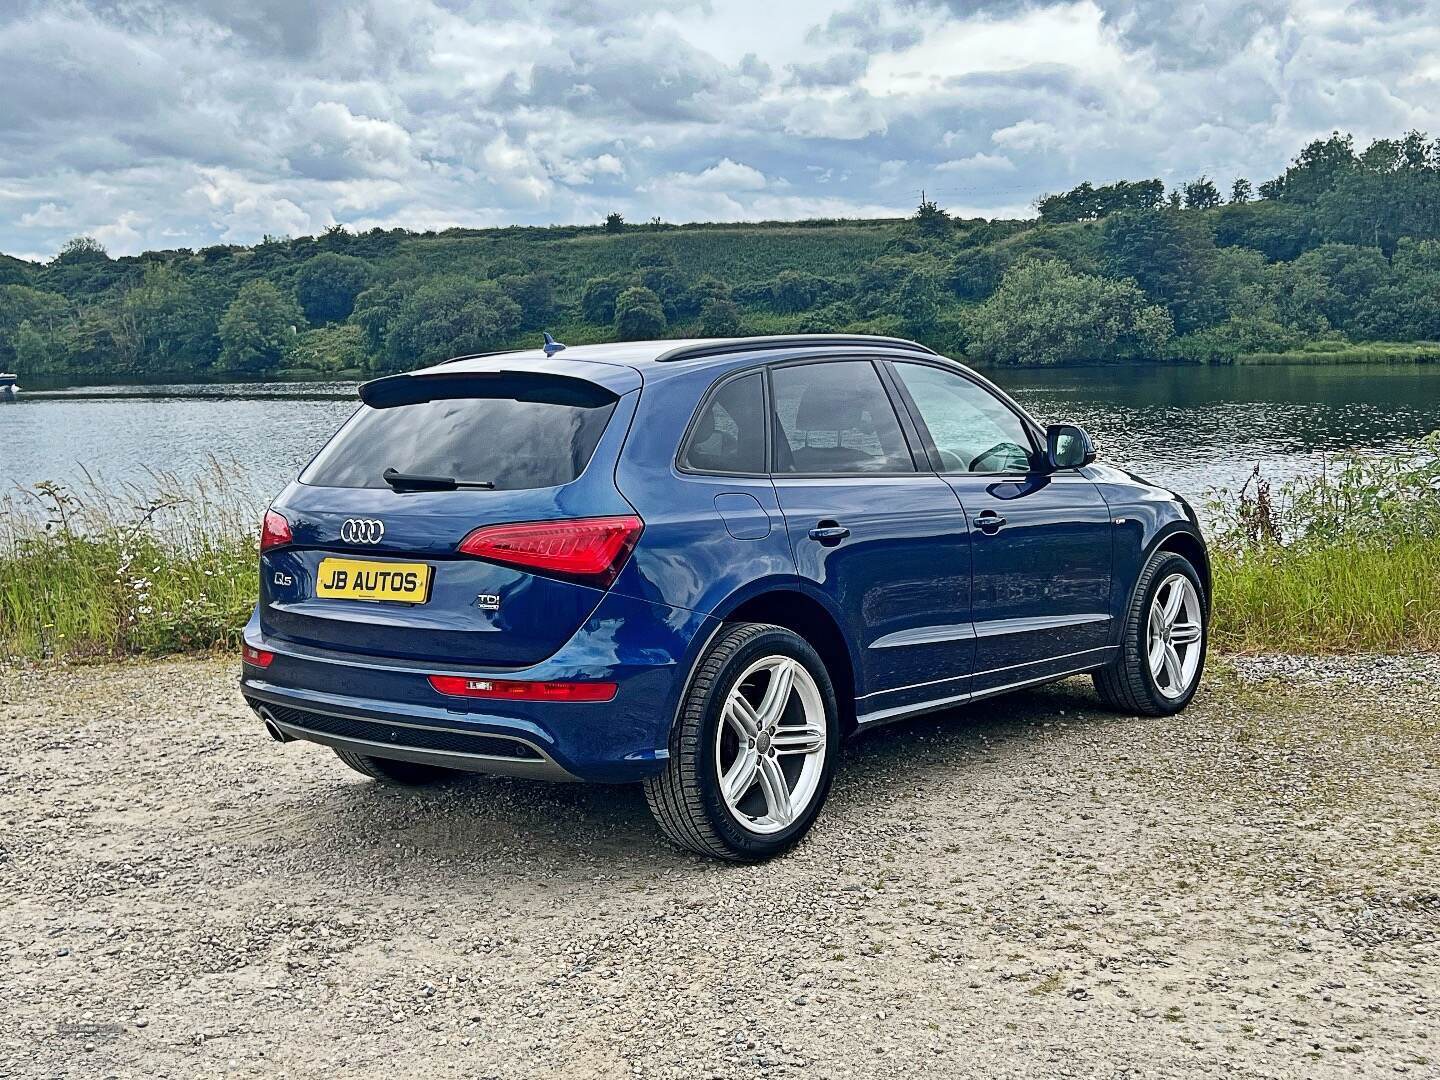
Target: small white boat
9,386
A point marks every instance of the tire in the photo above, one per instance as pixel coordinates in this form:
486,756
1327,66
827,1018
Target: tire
394,771
687,799
1130,683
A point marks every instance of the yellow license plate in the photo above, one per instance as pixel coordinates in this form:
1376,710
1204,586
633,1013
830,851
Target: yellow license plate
356,579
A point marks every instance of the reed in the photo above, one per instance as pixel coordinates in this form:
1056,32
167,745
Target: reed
146,568
1345,561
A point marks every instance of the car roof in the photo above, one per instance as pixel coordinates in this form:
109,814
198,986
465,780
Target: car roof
655,359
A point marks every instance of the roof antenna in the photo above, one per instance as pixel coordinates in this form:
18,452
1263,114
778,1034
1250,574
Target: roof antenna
551,346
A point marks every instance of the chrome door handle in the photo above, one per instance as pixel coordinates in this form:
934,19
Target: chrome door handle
989,521
829,532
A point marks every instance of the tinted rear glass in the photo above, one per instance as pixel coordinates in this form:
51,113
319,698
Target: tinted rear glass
509,442
729,436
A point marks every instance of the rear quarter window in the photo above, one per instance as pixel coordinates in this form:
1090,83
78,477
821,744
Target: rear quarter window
729,434
533,439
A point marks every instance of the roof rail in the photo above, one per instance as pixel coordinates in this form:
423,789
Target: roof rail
785,341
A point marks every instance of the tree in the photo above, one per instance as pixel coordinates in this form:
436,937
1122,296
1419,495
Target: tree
1347,276
168,321
792,291
1201,194
1318,168
1086,202
82,249
597,297
638,314
614,223
930,220
975,273
719,318
450,316
21,306
1045,313
1174,200
375,310
1168,254
535,293
328,284
708,287
1240,191
257,328
918,302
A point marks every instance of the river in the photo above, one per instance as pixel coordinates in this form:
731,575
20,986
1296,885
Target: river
1190,428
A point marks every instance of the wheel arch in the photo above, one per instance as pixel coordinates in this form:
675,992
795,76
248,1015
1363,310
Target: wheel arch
798,610
1183,541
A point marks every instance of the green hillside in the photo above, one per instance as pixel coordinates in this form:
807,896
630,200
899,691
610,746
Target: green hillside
1338,257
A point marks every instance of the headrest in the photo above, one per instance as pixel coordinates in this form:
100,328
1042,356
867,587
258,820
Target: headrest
826,407
705,426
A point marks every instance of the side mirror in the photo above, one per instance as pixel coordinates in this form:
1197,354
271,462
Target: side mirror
1068,447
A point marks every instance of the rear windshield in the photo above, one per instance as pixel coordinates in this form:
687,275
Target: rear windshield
515,442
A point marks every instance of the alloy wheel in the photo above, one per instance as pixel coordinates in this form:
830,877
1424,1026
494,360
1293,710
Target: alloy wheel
1175,639
770,745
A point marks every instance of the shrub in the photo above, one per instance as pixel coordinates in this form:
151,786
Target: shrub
638,314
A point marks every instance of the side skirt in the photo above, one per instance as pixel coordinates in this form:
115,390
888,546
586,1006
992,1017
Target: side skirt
878,717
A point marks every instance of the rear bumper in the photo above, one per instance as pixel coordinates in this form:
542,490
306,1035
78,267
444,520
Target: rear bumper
424,744
384,708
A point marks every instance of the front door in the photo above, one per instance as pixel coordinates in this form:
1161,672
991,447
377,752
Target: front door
1040,541
885,539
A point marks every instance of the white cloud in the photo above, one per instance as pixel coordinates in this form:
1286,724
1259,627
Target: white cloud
977,162
202,120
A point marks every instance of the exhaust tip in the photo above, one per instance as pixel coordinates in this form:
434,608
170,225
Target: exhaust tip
272,729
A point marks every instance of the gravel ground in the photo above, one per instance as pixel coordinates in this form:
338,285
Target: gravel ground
1029,888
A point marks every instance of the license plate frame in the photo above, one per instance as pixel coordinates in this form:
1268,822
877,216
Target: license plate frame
368,581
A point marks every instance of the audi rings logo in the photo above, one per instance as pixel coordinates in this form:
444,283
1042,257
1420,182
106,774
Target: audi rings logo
362,531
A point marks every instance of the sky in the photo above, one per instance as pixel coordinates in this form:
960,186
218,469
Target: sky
183,123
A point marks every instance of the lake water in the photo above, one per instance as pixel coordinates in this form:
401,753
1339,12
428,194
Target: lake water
1191,428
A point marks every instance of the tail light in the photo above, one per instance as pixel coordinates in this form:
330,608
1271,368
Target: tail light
591,550
256,657
514,690
274,531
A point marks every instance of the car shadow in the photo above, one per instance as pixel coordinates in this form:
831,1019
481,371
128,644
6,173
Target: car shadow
483,818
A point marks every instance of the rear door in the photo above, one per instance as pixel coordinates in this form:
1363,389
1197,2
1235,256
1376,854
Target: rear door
1041,542
886,540
546,443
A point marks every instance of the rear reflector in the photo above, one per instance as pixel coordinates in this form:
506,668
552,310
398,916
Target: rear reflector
589,549
257,657
509,689
274,531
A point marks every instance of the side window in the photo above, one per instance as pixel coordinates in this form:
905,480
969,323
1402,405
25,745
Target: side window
836,418
974,431
729,436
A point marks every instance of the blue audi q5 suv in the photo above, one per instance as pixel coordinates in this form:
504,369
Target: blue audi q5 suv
700,565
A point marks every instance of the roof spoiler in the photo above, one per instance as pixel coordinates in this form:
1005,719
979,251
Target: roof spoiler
392,391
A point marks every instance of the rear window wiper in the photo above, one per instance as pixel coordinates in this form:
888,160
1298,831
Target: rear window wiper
419,482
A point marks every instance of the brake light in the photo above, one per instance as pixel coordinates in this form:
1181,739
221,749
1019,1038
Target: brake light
591,549
510,689
274,531
256,657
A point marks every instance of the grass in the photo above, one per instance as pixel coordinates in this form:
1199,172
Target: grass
99,573
1335,597
1344,352
1342,562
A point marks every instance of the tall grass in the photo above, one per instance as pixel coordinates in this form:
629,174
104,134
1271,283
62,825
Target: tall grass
1347,560
100,571
1344,352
